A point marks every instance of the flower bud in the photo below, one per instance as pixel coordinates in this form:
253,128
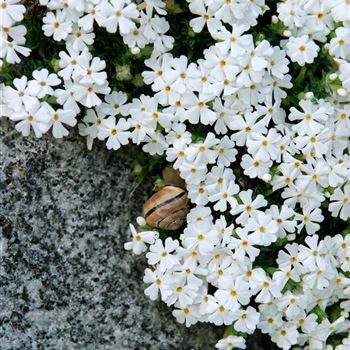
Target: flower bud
138,80
291,237
141,221
309,95
333,76
137,169
267,177
274,19
344,313
55,63
342,92
123,72
135,50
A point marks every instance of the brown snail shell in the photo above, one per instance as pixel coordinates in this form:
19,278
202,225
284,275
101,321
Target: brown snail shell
171,177
167,209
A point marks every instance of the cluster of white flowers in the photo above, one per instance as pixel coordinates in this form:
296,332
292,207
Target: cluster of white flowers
83,75
73,22
210,276
12,36
222,268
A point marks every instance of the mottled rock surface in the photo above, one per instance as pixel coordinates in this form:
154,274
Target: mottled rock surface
65,280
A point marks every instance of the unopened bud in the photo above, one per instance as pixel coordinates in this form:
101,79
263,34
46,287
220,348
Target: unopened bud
344,313
274,19
342,92
123,72
135,50
291,237
309,95
287,33
55,63
141,221
137,169
333,76
267,177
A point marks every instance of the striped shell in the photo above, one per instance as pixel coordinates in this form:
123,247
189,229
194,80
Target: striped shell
167,209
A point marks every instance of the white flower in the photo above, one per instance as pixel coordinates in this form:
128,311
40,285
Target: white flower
264,229
119,14
302,50
79,39
90,72
159,282
285,337
92,13
30,118
140,239
291,14
278,63
91,124
178,136
344,75
269,290
340,46
312,257
341,10
248,207
42,85
11,12
155,143
182,294
226,151
193,173
312,118
254,167
86,94
232,298
243,245
188,315
162,254
225,196
221,316
206,17
8,51
204,152
284,219
115,104
264,147
56,120
57,25
197,194
247,320
292,304
200,235
198,110
20,97
340,205
230,343
117,133
309,219
66,97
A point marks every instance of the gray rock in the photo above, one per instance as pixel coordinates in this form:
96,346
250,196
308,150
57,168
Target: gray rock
65,280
